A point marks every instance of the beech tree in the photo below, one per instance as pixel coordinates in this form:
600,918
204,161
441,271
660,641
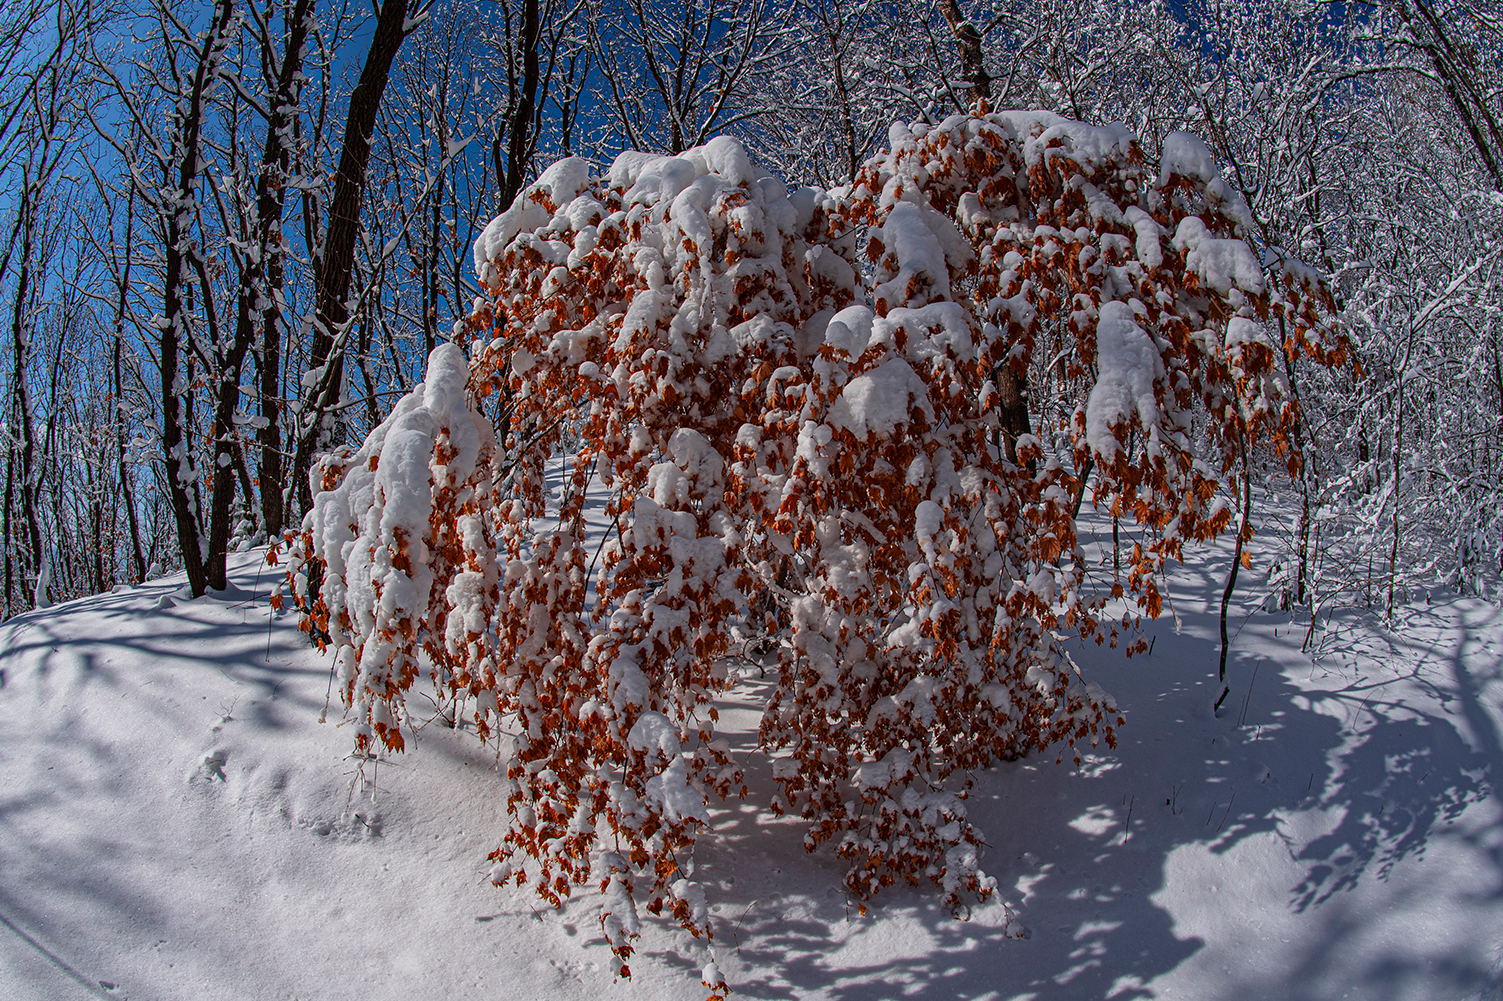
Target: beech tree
786,403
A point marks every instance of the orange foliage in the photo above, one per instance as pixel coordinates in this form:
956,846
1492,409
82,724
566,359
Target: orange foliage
787,405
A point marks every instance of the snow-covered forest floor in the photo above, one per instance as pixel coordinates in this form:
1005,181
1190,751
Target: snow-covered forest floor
175,822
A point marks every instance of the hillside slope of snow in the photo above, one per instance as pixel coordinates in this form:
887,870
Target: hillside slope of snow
176,822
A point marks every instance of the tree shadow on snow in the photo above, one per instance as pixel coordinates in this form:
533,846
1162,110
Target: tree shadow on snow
160,625
131,651
1353,763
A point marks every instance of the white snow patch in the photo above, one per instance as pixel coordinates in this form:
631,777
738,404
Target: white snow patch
1127,363
877,402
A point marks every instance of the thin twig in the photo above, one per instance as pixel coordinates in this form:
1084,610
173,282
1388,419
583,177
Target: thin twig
1228,811
737,926
1250,684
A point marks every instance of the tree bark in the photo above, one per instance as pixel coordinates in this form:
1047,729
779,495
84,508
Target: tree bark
20,339
181,478
226,402
1231,578
522,130
326,356
271,199
1012,388
127,489
968,44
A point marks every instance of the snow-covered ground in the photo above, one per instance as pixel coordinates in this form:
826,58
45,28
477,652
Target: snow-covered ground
177,823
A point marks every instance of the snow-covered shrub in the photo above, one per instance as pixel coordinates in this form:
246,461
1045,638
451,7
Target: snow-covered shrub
787,404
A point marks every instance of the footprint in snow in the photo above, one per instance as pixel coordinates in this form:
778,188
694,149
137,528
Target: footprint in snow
213,764
353,827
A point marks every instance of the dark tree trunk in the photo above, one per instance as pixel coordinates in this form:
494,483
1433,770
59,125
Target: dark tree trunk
271,200
337,261
523,126
182,483
968,44
523,111
226,402
1231,578
127,488
5,538
1012,388
26,221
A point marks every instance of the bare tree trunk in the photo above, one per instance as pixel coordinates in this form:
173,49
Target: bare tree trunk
182,482
1231,578
20,342
968,44
271,199
51,447
96,527
5,530
338,257
522,128
1398,468
127,487
1303,475
1012,388
227,401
